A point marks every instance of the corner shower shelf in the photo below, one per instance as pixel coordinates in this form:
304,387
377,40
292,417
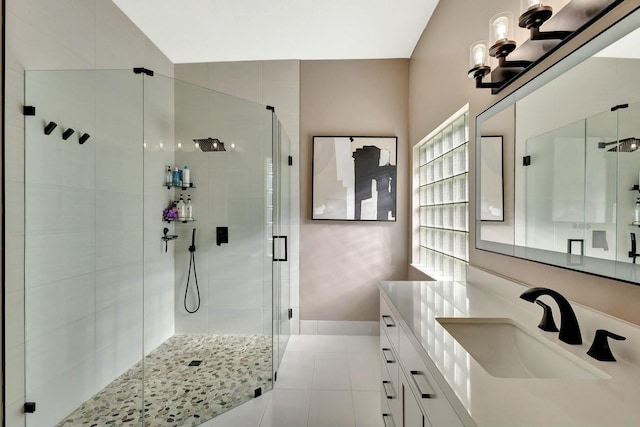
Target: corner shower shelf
183,220
170,186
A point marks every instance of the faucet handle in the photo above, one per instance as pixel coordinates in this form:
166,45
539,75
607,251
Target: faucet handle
599,349
547,323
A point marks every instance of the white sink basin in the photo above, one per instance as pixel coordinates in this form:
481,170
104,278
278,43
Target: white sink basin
505,349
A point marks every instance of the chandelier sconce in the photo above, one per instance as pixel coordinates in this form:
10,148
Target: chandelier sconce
533,14
501,45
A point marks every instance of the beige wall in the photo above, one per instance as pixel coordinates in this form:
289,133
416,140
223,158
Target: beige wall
439,86
342,262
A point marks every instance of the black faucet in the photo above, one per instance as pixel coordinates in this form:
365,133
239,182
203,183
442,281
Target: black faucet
569,329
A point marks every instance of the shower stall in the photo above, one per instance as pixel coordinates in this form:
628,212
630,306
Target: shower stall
113,334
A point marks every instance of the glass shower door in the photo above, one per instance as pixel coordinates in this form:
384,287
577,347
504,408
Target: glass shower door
628,194
554,180
283,207
83,248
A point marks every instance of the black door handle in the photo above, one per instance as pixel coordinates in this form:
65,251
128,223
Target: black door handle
286,251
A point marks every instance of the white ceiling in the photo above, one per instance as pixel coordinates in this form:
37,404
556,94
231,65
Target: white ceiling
626,47
242,30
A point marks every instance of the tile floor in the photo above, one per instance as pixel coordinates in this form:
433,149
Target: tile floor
176,393
324,381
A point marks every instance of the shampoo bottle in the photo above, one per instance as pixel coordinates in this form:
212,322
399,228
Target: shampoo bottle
189,207
186,179
182,208
636,212
169,177
176,177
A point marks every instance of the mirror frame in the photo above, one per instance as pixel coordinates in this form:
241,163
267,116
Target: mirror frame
605,268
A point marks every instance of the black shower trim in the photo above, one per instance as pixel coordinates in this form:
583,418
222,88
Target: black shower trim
142,70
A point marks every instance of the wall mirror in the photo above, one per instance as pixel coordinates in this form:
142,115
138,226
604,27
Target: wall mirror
571,161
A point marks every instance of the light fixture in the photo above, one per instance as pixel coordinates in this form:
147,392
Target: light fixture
501,45
574,17
478,62
533,15
501,35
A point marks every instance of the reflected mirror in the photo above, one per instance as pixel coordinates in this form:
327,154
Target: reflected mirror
571,140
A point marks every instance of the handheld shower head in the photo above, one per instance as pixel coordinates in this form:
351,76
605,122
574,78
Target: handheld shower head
192,248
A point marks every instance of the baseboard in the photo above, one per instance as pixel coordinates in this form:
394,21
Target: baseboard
331,327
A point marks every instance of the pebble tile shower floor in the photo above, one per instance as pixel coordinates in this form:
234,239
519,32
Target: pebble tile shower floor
177,394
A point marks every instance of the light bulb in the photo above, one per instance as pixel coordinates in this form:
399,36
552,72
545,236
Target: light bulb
197,145
179,144
633,146
161,145
533,3
479,53
233,145
215,145
501,27
144,144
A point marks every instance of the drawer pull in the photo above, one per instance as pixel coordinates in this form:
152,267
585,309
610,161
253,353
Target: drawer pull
424,389
388,321
388,420
387,385
388,359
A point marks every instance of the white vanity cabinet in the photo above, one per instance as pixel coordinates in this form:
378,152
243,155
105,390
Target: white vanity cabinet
410,396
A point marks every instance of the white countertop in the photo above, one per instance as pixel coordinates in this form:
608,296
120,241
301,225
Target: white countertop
513,402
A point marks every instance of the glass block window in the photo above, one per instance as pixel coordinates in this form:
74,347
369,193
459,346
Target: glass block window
443,185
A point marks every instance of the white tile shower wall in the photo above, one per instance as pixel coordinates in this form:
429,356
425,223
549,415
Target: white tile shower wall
66,35
229,193
273,83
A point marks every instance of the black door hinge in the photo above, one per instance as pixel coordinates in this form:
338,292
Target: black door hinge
290,160
29,110
290,313
270,108
526,160
29,407
619,107
142,70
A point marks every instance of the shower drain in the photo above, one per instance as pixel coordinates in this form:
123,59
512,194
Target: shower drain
195,363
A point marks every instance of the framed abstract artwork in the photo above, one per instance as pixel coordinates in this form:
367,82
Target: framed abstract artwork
354,178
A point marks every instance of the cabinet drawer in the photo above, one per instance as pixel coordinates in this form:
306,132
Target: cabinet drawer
433,402
388,323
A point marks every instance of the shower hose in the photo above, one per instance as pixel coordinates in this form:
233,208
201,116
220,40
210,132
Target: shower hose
192,263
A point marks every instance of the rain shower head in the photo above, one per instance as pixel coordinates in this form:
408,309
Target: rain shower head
210,144
626,145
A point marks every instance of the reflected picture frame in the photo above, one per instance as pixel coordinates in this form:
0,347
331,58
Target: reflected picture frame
491,179
354,178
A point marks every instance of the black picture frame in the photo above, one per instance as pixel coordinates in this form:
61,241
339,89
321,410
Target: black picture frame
354,178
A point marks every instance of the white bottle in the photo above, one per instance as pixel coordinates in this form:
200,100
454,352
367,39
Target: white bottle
186,179
636,212
182,208
189,207
169,178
